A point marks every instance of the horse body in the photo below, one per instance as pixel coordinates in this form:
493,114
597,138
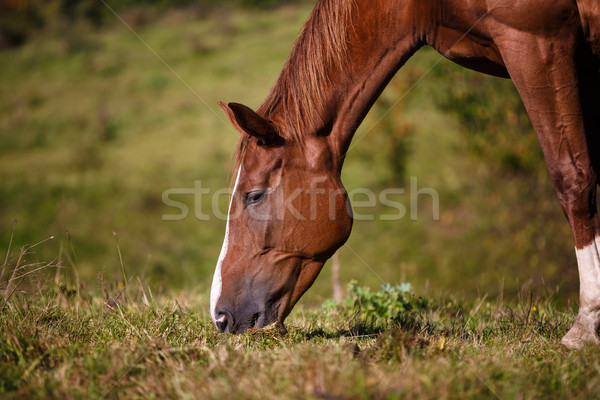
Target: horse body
290,206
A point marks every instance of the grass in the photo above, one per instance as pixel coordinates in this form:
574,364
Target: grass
129,342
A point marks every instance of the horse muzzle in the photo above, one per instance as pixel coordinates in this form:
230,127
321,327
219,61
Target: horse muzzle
227,322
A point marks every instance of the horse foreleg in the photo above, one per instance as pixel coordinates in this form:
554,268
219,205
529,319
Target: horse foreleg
545,73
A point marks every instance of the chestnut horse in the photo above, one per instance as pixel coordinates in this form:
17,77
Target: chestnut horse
289,211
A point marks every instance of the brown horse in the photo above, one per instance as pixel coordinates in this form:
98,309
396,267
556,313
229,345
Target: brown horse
289,211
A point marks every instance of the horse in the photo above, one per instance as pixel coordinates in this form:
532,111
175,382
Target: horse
289,211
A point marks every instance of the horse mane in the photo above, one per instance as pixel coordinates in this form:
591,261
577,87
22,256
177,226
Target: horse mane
299,92
321,47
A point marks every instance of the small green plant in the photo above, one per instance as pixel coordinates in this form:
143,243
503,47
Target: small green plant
379,308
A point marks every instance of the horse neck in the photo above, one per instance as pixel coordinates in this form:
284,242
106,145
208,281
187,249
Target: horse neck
381,37
382,41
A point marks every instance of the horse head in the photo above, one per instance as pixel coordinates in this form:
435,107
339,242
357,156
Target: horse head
288,214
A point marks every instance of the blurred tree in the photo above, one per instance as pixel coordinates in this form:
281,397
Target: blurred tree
88,10
18,18
21,19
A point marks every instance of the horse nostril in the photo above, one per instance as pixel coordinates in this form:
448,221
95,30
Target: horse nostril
254,321
222,322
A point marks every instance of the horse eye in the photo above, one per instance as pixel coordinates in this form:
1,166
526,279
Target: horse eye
254,196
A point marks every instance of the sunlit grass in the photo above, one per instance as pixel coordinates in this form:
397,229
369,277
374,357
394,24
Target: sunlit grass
112,341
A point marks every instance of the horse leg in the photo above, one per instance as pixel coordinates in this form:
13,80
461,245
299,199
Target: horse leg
585,328
553,90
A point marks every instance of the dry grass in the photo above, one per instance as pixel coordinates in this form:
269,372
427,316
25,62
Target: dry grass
127,343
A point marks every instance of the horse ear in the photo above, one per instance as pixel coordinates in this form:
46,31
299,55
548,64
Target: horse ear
247,121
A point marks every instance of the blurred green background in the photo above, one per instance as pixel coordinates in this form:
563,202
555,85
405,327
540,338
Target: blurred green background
96,122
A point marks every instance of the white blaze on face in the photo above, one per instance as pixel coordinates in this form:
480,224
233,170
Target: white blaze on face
588,260
215,289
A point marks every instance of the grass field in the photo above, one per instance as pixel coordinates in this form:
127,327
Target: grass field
97,123
386,344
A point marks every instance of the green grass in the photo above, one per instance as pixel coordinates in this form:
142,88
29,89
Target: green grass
133,343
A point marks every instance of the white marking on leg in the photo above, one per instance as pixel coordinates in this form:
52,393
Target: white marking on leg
588,260
215,289
584,329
